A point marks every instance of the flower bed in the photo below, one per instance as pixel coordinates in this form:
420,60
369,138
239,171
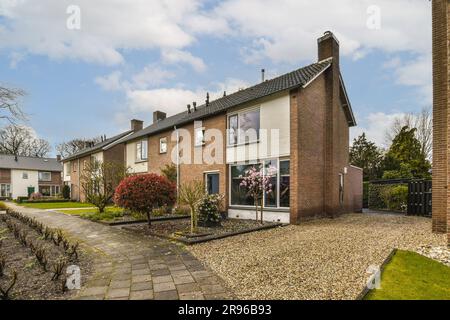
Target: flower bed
35,258
179,230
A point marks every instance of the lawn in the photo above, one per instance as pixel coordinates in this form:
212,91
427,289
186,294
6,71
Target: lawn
56,205
410,276
109,214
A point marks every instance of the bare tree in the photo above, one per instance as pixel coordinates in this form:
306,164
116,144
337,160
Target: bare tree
66,149
9,106
422,122
19,141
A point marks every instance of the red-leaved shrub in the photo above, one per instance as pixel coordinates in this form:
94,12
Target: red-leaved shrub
143,193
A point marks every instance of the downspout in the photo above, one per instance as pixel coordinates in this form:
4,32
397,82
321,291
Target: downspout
78,174
178,159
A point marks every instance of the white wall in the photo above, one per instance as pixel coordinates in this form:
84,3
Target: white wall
66,177
274,115
20,186
140,167
250,214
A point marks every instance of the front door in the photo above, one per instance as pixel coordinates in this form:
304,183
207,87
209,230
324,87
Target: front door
212,183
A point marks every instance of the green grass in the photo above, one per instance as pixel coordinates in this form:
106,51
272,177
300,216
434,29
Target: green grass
410,276
110,214
56,205
2,206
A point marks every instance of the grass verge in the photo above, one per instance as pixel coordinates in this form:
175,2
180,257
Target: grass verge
411,276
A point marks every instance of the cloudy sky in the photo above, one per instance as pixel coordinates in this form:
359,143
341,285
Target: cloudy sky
132,57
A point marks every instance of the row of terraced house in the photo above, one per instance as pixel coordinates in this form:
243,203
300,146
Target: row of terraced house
300,123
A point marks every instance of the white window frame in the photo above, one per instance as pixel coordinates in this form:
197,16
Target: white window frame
24,175
140,155
238,114
40,173
5,186
198,143
163,141
261,162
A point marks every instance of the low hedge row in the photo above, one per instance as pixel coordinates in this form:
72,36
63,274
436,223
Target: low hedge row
44,201
388,197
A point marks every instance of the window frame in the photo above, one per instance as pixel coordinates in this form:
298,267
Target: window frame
163,141
140,156
237,114
203,142
25,176
262,164
7,190
40,173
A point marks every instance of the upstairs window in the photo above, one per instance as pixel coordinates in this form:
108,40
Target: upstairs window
163,145
243,127
45,176
142,150
199,137
25,175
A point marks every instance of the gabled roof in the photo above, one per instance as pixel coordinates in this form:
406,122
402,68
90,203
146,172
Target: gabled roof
291,80
29,163
101,146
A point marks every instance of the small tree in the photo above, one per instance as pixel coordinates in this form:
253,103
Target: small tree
257,184
66,192
191,194
143,193
99,181
170,172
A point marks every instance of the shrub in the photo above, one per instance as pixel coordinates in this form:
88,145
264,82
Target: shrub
36,196
170,172
366,194
66,192
209,210
190,194
182,211
396,197
3,206
21,199
144,193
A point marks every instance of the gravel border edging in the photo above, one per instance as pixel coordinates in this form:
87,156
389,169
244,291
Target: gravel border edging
366,290
216,237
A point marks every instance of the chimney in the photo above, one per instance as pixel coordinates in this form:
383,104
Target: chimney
158,116
58,158
189,108
328,47
195,105
207,99
263,71
137,125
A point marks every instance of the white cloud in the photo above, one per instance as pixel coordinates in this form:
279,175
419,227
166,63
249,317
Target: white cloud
151,76
111,82
177,56
375,126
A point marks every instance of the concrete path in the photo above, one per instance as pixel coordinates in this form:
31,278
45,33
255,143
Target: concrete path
129,266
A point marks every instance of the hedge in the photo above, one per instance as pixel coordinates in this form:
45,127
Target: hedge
46,201
366,194
392,197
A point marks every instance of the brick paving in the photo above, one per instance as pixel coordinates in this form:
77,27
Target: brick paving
128,266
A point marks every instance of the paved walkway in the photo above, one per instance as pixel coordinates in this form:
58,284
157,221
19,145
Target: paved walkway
128,266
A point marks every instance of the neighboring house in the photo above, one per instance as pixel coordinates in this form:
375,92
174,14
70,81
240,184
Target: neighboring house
110,150
22,176
297,124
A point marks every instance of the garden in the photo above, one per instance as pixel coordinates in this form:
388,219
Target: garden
34,259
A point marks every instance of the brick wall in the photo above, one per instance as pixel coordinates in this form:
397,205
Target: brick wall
191,172
55,179
5,176
440,115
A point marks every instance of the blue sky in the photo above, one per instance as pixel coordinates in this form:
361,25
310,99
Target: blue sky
131,58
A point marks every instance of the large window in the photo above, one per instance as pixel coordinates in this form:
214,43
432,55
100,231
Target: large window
5,190
243,127
199,137
141,150
163,145
279,177
49,191
45,176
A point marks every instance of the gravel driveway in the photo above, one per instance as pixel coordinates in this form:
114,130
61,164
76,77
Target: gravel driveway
322,259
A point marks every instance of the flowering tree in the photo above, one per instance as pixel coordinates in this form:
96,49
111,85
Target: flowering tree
257,184
143,193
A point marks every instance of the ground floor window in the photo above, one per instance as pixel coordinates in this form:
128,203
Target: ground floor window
278,171
49,191
5,190
212,183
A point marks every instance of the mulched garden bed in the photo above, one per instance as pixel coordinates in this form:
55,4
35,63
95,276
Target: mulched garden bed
128,219
178,230
19,243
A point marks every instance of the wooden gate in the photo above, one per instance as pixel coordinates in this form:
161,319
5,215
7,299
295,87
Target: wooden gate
419,198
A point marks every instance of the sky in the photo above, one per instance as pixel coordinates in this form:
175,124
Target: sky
89,67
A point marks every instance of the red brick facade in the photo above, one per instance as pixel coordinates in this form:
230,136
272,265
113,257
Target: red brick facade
5,176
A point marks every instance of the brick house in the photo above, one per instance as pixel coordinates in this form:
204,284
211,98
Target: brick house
296,124
22,176
441,107
110,150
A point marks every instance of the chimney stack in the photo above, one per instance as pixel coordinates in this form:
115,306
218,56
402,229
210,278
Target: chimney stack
195,105
207,99
263,72
58,158
158,116
189,108
328,47
136,125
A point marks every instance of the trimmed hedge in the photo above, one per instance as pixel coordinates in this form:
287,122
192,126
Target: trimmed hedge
392,197
46,201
